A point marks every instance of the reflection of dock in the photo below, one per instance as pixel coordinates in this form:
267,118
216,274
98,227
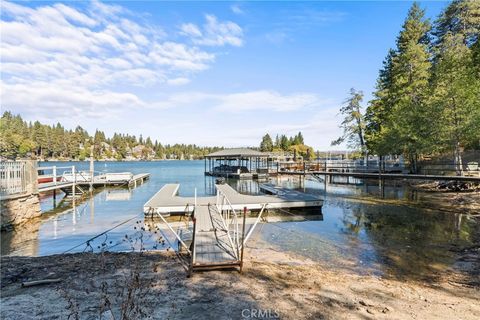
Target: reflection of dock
215,235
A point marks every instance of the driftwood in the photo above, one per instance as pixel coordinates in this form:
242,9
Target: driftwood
39,282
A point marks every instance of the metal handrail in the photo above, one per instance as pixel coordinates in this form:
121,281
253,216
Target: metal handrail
229,218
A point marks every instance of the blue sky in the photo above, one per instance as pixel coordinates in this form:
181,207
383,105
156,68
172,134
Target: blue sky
210,73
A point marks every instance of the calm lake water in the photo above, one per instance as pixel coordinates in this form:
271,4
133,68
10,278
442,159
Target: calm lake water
358,230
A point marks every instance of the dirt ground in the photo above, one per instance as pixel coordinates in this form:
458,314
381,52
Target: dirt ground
155,286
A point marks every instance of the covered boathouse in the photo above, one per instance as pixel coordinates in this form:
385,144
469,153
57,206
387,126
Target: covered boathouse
238,163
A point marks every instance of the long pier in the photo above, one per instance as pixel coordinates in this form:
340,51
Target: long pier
371,175
215,234
98,181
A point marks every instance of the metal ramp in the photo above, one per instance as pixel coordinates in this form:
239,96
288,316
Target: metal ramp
214,234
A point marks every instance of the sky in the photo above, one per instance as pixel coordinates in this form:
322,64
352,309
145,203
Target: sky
208,73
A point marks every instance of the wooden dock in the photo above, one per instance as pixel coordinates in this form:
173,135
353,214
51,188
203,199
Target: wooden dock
98,181
166,201
216,236
372,175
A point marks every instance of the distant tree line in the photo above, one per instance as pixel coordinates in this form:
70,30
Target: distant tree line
294,144
427,97
19,139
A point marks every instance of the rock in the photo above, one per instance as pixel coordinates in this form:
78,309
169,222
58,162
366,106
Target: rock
18,210
107,315
370,311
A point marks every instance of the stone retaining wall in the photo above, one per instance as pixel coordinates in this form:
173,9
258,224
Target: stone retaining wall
18,210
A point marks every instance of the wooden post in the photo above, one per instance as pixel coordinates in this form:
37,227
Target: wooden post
91,169
31,176
243,238
74,181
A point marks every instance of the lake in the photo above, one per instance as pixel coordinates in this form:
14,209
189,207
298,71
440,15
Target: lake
363,229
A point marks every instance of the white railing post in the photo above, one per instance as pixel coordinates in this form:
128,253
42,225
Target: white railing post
54,175
74,181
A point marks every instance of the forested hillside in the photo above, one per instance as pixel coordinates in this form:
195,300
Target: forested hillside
19,139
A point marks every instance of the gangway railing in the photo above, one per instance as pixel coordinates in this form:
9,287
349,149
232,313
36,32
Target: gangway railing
230,218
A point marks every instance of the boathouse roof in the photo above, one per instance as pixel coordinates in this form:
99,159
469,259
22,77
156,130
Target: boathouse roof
237,153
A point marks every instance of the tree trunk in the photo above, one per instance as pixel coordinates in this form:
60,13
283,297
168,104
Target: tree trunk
413,163
458,159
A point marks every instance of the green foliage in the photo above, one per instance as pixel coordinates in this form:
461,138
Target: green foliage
305,151
21,139
353,124
460,17
267,144
293,144
427,98
379,110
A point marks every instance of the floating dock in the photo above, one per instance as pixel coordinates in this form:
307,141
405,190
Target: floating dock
215,234
166,201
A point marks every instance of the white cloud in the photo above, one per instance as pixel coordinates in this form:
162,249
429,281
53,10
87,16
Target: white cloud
178,81
190,29
268,100
236,9
245,101
64,101
66,56
214,32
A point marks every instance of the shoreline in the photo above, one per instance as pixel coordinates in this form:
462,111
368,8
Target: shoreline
287,286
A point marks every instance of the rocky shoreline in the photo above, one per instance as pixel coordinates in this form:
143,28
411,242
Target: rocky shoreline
273,284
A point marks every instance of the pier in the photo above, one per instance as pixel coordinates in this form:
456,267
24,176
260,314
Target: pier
214,235
71,180
382,170
22,181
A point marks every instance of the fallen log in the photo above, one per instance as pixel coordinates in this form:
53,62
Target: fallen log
39,282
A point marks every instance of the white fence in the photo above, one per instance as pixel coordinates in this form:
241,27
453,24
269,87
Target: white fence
18,177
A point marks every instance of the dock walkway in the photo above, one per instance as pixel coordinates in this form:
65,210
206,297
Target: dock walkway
371,175
211,240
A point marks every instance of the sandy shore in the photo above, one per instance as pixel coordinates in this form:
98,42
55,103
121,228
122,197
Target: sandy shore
155,286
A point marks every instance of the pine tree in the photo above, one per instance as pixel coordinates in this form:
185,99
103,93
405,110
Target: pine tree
410,121
455,84
353,124
379,111
462,18
267,144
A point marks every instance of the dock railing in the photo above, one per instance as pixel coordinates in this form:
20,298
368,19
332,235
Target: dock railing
18,178
424,167
53,173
